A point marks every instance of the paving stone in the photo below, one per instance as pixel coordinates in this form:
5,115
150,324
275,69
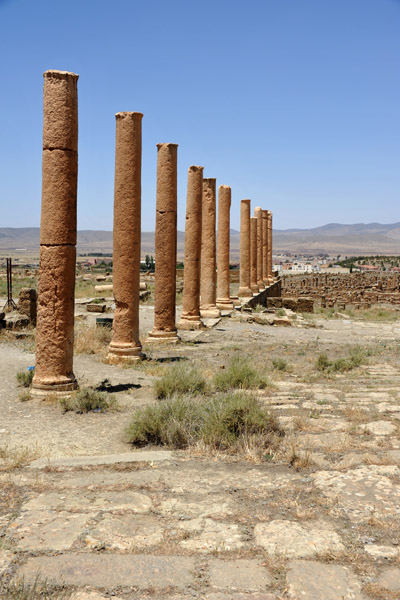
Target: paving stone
111,570
44,530
208,507
379,428
362,491
323,440
381,551
390,579
90,501
239,596
5,559
312,580
239,575
107,459
212,536
292,539
124,532
91,595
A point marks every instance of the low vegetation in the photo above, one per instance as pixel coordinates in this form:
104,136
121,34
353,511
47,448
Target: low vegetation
280,364
24,378
92,340
239,375
87,400
38,590
227,422
357,357
180,379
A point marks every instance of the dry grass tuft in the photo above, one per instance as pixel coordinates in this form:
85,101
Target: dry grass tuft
92,340
38,590
240,374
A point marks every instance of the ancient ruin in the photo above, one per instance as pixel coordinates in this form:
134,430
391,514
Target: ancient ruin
265,247
270,274
208,271
260,280
165,245
125,344
224,301
244,289
190,317
55,311
253,255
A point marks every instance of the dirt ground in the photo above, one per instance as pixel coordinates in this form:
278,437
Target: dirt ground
317,520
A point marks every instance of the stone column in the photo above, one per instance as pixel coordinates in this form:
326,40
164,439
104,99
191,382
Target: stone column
253,255
190,317
208,271
224,301
165,244
270,276
56,288
244,289
265,247
125,345
258,215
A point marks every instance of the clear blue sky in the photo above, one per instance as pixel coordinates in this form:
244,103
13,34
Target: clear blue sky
293,103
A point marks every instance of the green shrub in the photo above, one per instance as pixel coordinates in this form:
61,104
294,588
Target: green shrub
87,400
24,378
218,422
239,375
178,380
280,312
323,363
258,308
280,364
357,357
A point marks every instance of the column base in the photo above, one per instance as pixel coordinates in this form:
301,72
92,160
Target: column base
124,353
224,304
210,312
245,292
190,323
235,301
61,387
254,290
260,285
160,336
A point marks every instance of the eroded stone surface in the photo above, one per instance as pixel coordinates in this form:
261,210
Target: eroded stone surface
239,575
5,560
90,501
292,539
208,535
124,532
312,580
363,491
390,579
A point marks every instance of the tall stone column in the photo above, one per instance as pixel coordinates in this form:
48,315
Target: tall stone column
166,237
253,255
244,289
56,288
208,271
258,215
190,317
125,345
224,301
265,247
270,275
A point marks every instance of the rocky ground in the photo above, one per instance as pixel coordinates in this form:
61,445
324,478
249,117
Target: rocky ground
317,520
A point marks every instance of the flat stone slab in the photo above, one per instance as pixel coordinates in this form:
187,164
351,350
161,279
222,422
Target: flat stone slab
91,595
362,491
210,322
46,530
379,428
378,552
239,575
107,459
291,539
81,501
111,570
124,532
209,535
390,579
312,580
239,596
184,509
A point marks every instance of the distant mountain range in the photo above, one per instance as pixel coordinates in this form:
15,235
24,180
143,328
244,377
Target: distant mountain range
334,238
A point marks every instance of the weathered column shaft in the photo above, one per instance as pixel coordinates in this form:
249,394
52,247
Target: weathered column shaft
258,215
270,275
125,344
265,247
55,312
244,288
208,271
253,255
190,318
223,241
165,245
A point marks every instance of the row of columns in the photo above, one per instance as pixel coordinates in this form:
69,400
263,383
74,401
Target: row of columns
255,250
206,253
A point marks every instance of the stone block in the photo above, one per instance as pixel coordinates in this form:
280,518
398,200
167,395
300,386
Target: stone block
305,304
274,302
290,303
60,111
96,308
